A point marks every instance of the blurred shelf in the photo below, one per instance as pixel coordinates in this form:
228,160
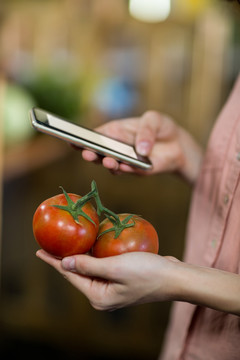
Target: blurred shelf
31,155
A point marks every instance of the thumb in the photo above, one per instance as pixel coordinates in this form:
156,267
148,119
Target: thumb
88,266
147,131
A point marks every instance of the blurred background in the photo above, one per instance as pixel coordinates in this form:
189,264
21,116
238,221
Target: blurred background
91,61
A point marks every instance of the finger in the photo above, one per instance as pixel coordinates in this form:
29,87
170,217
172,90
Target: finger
147,131
89,155
124,168
116,172
110,163
49,259
66,270
82,264
171,258
167,157
81,282
91,267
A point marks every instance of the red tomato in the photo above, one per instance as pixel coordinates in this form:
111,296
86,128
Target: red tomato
140,237
58,233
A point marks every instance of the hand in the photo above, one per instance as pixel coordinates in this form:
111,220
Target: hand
139,277
115,282
169,147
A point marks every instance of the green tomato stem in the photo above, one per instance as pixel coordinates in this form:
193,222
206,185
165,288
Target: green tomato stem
118,225
75,209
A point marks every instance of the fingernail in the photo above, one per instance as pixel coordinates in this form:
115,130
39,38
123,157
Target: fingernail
68,263
143,148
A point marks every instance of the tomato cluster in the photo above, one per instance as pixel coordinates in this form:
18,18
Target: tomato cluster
68,224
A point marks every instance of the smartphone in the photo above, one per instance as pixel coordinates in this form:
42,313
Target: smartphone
86,138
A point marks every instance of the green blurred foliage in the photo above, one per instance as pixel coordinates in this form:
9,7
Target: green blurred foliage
16,105
57,91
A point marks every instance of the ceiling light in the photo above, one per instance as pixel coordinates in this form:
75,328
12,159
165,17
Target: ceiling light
150,10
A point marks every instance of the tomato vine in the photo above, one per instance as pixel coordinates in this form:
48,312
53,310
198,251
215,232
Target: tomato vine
75,209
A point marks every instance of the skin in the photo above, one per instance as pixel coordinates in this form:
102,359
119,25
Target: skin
135,278
169,147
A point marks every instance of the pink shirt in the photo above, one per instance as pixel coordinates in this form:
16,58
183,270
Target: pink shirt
213,240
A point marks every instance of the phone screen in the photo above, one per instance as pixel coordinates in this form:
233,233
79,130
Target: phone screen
91,136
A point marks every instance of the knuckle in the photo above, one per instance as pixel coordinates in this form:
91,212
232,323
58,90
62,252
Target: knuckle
103,307
99,304
177,158
102,302
82,267
151,114
98,307
178,153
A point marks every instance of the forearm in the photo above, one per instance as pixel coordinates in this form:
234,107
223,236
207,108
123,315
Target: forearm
208,287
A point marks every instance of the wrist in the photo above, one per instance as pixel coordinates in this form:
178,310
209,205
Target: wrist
189,283
192,156
183,284
209,287
174,280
